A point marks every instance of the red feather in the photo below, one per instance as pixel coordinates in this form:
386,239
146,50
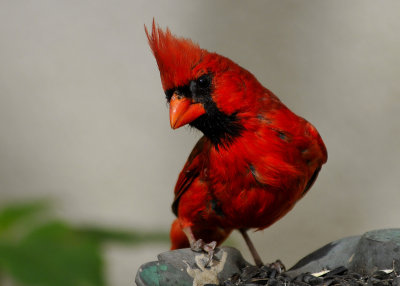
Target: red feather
175,56
253,179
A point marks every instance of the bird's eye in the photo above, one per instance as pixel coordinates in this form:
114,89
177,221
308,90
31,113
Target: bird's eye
203,81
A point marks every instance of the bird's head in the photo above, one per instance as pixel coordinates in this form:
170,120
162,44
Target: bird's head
205,90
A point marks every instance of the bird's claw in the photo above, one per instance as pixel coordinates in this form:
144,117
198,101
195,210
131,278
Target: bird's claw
278,266
210,246
199,246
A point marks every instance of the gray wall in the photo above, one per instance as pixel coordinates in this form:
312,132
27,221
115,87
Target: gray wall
83,118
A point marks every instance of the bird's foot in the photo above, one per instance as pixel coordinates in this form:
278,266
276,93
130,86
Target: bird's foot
277,265
199,246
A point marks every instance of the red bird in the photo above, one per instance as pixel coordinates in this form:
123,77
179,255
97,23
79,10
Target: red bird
256,158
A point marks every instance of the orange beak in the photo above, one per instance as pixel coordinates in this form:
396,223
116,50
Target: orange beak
183,110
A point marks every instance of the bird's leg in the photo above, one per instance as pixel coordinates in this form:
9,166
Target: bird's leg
253,250
277,265
199,245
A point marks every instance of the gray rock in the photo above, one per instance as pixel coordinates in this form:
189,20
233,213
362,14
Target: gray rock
376,250
185,267
330,256
362,254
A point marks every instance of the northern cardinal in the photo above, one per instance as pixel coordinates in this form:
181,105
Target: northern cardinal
256,158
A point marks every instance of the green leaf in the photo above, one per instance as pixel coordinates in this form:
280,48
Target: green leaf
35,250
15,213
53,254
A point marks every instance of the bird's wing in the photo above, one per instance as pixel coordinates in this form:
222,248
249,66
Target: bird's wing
190,171
311,181
318,152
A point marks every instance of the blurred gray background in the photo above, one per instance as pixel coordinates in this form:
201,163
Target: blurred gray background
83,118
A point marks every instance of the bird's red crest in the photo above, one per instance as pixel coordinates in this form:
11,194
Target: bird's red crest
175,56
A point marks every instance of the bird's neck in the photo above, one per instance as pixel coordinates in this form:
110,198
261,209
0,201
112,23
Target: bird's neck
224,129
221,129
